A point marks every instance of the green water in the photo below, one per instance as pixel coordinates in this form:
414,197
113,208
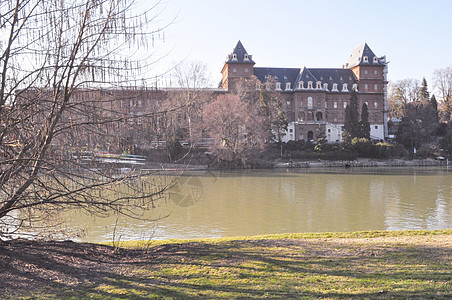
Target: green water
234,203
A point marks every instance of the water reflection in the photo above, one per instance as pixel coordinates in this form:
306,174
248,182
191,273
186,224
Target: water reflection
260,202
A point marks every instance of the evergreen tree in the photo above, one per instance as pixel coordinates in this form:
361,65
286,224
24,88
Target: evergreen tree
352,125
423,92
364,124
434,104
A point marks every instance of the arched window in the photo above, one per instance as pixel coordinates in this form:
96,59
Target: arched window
301,116
318,116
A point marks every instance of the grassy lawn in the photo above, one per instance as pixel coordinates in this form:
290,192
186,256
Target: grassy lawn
400,264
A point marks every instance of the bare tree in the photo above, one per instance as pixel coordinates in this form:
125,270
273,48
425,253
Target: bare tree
400,93
59,61
443,83
238,129
192,82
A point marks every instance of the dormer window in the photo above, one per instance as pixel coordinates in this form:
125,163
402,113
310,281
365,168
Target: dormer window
300,85
318,85
325,86
246,57
365,59
234,56
287,86
355,87
267,86
334,87
278,86
344,87
375,60
309,84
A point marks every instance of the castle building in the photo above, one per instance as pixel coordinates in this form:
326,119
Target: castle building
315,98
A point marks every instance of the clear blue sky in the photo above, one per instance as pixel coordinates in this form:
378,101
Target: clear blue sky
416,36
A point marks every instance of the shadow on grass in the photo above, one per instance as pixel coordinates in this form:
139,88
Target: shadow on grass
235,269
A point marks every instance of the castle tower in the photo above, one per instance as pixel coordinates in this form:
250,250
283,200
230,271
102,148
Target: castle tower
238,64
371,72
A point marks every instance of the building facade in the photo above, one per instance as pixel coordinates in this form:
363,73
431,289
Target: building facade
315,99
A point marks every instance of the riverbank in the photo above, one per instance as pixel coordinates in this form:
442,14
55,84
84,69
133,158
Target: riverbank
362,163
400,264
279,163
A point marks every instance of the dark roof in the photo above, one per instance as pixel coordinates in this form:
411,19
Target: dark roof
282,75
357,57
239,55
331,75
295,75
305,76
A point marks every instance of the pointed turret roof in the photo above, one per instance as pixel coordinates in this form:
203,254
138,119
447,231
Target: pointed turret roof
362,55
239,55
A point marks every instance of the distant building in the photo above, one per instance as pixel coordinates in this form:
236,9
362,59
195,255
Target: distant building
315,98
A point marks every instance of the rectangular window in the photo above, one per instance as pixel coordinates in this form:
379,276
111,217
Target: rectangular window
376,104
345,104
375,87
310,104
366,87
246,70
335,104
376,127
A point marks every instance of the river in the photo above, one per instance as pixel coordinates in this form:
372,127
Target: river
253,202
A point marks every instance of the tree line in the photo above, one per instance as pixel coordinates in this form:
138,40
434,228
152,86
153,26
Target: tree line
423,121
